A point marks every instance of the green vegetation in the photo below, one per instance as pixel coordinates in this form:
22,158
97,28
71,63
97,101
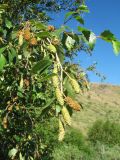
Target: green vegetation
85,149
106,132
39,79
99,123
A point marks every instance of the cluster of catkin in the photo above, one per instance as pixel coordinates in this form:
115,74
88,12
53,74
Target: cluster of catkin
26,34
61,100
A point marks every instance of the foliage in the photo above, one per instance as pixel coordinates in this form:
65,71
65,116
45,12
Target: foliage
73,147
106,152
106,132
37,72
77,147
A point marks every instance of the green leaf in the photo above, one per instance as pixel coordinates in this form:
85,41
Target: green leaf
12,153
90,37
47,106
79,19
92,40
83,8
40,26
47,77
52,48
69,88
41,66
58,109
21,157
59,31
108,36
2,8
68,14
2,62
8,23
81,29
85,32
116,47
12,55
2,49
69,43
43,34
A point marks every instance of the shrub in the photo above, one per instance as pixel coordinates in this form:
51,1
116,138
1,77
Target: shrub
105,152
74,147
106,132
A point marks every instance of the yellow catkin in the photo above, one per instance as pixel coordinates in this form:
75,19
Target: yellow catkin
21,82
33,41
52,48
27,34
5,122
20,39
59,96
55,81
72,103
66,115
55,41
17,107
51,28
55,78
61,131
75,85
10,108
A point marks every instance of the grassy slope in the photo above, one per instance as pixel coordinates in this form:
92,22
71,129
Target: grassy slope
101,102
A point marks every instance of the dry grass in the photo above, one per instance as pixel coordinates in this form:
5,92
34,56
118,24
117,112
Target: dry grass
101,102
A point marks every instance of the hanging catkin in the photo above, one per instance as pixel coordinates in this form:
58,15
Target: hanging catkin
20,38
59,96
66,115
72,103
75,85
27,34
61,131
5,122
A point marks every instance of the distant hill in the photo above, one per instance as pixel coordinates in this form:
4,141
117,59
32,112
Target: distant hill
101,102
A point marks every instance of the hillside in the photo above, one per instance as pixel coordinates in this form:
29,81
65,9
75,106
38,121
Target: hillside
101,102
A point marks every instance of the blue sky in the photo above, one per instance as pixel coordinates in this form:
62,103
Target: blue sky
104,14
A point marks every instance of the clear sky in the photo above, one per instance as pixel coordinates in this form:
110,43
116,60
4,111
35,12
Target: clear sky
104,14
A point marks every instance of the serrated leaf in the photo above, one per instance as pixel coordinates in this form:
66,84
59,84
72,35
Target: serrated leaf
2,62
12,55
116,47
85,32
43,34
68,14
69,42
41,66
40,26
58,108
108,36
83,8
59,31
79,19
92,40
69,88
2,49
8,23
89,37
12,153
